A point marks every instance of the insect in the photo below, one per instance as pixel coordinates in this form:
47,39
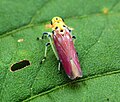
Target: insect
61,41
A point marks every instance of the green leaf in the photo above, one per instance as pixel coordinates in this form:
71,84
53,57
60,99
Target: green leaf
97,28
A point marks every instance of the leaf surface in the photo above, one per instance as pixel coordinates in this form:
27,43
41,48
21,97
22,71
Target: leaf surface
97,28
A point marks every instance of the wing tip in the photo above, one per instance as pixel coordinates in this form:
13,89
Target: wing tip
75,77
75,72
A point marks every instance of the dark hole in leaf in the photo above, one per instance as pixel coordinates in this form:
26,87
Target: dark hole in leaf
20,65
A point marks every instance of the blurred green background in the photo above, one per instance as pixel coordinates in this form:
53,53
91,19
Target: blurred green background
96,25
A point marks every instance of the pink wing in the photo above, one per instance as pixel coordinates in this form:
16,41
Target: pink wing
67,54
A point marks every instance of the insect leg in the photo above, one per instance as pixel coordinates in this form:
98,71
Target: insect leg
53,48
52,45
59,65
74,37
46,46
43,36
51,42
48,34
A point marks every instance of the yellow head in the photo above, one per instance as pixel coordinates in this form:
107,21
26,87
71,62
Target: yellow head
57,22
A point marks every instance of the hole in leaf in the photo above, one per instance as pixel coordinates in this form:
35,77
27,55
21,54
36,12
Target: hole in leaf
20,65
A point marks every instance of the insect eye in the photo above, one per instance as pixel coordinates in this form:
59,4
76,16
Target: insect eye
64,26
62,19
51,22
56,27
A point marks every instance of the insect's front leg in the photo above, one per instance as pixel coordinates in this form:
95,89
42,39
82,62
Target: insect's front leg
47,34
45,54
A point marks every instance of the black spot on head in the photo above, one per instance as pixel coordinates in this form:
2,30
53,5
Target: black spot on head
64,26
61,30
56,18
63,20
56,27
70,30
51,22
